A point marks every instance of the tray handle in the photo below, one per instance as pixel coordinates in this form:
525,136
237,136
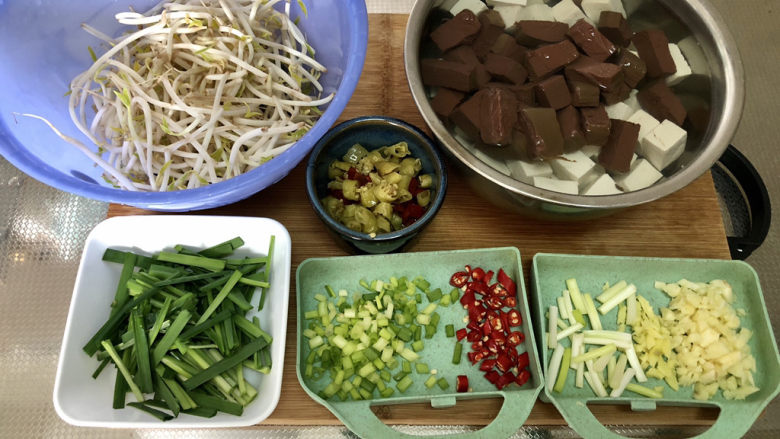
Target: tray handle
359,418
733,421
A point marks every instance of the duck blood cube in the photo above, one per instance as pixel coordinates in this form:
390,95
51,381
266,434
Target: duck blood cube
492,27
553,92
467,55
614,26
634,69
445,101
617,153
596,125
467,116
533,32
659,100
543,131
618,94
524,93
653,48
505,45
442,73
498,116
571,129
550,58
462,28
505,69
604,75
584,94
591,41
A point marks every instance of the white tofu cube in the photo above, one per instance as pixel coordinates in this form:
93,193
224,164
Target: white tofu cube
476,6
592,175
641,175
567,12
694,55
646,123
538,12
525,171
495,163
509,14
592,151
507,2
664,144
603,185
572,166
553,184
445,4
620,111
632,101
594,8
683,69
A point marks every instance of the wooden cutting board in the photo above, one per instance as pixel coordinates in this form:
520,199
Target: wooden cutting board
685,224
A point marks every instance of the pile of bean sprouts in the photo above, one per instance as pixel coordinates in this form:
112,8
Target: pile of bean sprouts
201,91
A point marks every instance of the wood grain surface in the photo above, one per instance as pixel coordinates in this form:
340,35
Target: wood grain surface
685,224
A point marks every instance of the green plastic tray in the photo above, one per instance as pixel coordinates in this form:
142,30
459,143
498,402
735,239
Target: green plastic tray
436,267
736,417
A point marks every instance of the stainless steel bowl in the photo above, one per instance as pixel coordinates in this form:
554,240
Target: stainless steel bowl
721,90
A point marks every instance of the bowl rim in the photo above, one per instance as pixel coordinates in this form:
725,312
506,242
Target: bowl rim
733,104
217,194
365,122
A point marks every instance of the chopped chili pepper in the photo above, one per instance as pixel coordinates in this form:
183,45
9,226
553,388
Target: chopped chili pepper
510,302
507,282
498,337
478,287
503,362
488,276
412,213
353,174
522,377
498,290
460,334
494,302
505,379
492,376
477,274
514,317
468,299
459,279
473,336
414,187
462,383
515,338
488,364
523,361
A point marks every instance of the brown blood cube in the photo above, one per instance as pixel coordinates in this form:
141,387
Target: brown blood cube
492,27
533,33
595,125
659,100
634,69
615,27
462,28
450,74
445,101
466,55
573,137
653,48
543,132
617,153
591,41
524,93
467,116
617,94
505,69
550,58
604,75
498,116
584,94
553,92
505,45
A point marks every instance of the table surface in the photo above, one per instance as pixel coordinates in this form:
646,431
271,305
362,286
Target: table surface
685,224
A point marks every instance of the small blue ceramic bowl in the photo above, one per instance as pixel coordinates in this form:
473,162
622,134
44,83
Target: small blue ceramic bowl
373,132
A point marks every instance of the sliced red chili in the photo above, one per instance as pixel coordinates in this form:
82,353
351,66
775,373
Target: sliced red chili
478,356
473,325
498,290
514,317
477,274
487,365
461,333
412,213
515,338
462,383
522,377
486,328
506,379
459,279
492,346
498,337
495,323
511,352
477,345
522,361
507,282
477,313
468,269
510,302
503,362
478,287
473,336
492,376
468,299
488,276
414,186
505,320
471,356
494,302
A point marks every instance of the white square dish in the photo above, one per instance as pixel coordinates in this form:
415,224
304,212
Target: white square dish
81,400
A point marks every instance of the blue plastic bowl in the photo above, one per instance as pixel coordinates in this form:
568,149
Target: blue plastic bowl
42,47
373,132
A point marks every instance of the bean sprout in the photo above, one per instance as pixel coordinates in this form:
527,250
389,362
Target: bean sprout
200,92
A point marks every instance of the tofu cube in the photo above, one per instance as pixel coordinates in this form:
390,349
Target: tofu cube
664,144
620,111
694,55
632,101
592,151
553,184
646,123
594,8
494,162
641,175
573,166
591,176
568,12
525,171
603,185
538,12
507,2
683,69
476,6
509,13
